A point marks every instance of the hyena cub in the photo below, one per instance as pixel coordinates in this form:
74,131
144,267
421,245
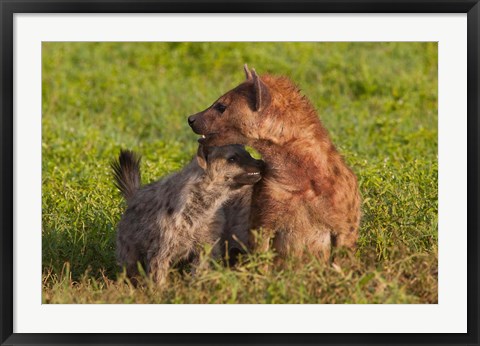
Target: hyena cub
172,219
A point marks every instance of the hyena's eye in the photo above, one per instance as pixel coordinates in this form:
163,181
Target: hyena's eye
220,107
232,159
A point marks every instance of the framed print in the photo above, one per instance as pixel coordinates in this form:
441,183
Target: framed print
239,172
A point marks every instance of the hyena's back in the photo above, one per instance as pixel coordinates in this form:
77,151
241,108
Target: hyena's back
142,228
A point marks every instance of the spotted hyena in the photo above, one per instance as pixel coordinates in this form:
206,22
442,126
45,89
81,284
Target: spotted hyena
172,219
309,198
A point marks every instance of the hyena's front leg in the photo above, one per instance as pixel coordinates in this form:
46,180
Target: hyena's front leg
202,259
259,243
217,250
321,245
262,229
315,242
286,244
259,239
347,239
158,268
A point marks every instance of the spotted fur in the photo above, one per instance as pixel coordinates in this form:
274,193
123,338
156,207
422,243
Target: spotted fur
172,219
309,198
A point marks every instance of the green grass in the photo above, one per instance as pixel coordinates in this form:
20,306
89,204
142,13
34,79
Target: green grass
378,100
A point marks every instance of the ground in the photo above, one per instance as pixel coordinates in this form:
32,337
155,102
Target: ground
378,101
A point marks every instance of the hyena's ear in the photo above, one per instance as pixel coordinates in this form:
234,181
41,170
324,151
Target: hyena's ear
262,95
248,74
202,154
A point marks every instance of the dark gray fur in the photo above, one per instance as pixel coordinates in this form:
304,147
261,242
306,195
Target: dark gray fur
172,219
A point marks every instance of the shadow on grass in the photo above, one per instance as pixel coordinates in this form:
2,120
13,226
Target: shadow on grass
88,248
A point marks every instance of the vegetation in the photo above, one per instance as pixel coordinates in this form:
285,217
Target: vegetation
378,100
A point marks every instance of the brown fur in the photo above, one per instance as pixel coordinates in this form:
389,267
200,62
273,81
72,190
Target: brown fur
308,197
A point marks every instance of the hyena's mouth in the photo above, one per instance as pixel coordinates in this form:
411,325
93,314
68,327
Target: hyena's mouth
205,138
248,178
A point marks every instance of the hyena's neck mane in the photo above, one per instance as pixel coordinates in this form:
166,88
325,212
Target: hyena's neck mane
289,125
286,97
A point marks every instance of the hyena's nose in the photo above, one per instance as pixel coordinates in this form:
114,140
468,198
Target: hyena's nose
191,120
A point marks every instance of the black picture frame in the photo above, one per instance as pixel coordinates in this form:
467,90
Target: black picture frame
9,8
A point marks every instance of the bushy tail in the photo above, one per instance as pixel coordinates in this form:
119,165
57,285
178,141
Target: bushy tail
126,171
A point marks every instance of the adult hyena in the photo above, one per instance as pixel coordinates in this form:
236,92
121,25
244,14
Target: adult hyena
172,219
308,198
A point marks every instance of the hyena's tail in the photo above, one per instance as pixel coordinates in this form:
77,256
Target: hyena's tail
126,171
